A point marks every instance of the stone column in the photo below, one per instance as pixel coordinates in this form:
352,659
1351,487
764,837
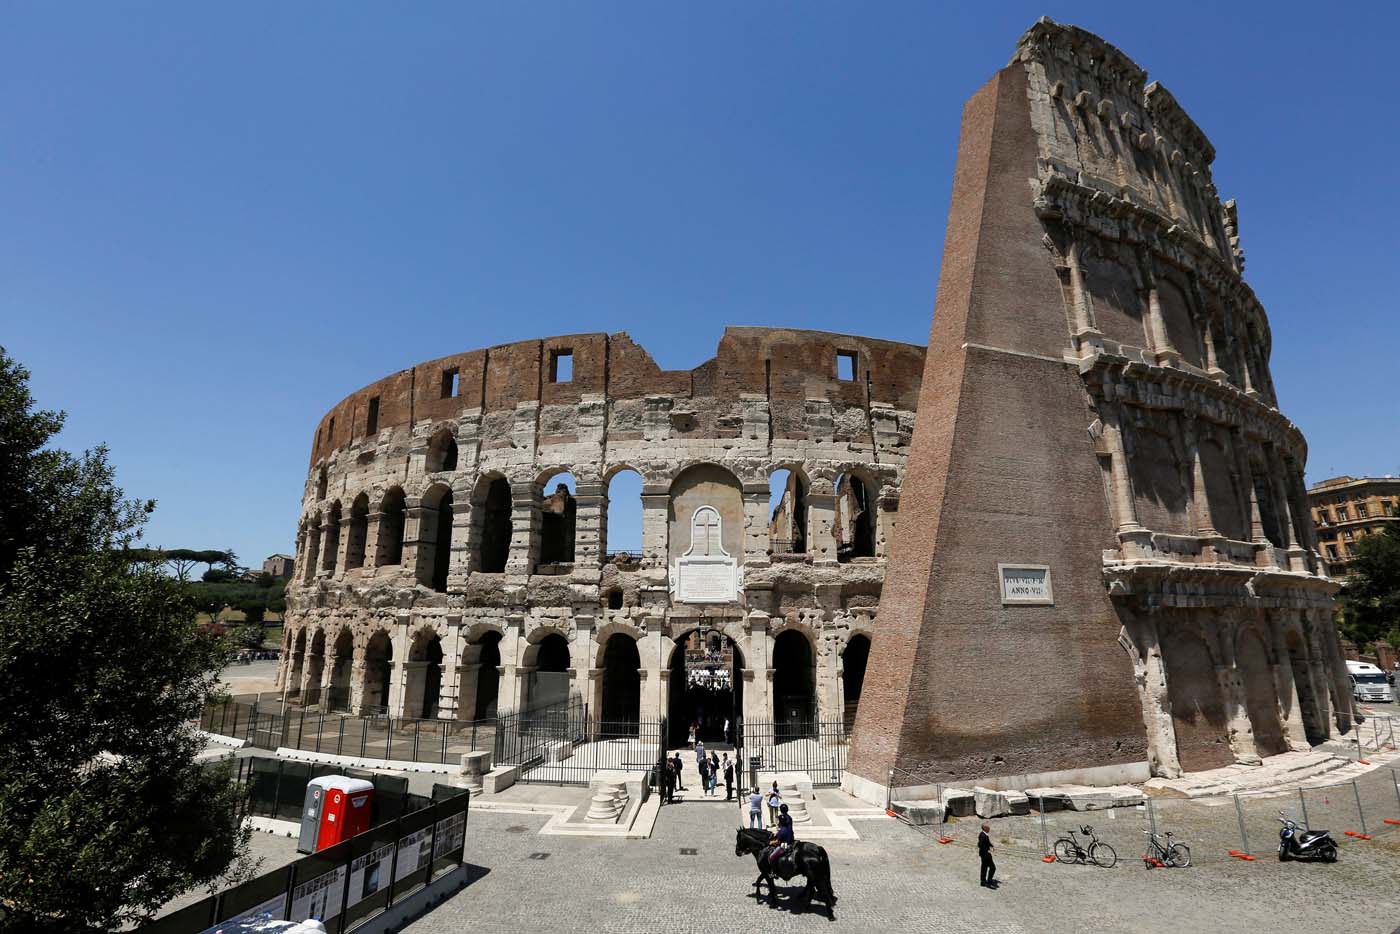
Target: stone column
330,549
655,650
359,670
1241,731
1162,349
327,678
419,532
589,524
1150,672
758,677
525,530
821,523
511,691
372,540
1290,711
449,690
828,675
656,525
1204,520
756,543
582,656
343,548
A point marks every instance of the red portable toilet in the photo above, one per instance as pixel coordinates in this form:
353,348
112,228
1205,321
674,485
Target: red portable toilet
345,809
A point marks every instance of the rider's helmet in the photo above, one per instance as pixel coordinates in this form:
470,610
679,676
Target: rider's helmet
782,808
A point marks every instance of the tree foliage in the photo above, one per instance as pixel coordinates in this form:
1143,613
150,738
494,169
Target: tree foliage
104,814
180,561
1371,597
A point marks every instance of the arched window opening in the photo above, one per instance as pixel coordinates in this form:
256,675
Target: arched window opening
558,520
359,531
442,451
435,555
787,513
423,677
332,548
855,519
342,663
853,662
494,550
379,665
705,688
794,686
313,549
482,662
389,548
549,681
622,685
622,519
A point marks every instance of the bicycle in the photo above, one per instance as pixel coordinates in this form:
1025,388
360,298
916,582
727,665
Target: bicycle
1068,850
1171,855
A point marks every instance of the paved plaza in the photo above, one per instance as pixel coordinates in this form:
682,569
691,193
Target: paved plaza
893,878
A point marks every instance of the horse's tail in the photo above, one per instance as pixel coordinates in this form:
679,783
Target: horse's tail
826,875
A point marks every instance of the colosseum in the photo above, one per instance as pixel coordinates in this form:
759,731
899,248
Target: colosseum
1100,568
444,572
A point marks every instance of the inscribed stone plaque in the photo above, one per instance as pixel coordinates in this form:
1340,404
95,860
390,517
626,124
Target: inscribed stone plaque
706,573
1025,584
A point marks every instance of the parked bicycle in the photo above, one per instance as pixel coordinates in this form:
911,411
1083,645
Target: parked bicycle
1068,850
1169,854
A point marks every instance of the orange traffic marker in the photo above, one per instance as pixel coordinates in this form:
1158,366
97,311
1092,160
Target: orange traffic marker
1246,857
1390,820
1364,761
1047,859
945,839
889,813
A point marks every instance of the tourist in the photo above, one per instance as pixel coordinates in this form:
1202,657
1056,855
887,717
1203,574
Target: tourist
984,850
690,740
668,783
677,763
785,837
728,778
775,801
755,810
728,737
714,770
699,752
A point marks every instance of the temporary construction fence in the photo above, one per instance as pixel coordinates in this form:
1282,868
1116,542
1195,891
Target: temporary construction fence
276,788
816,747
344,885
1214,828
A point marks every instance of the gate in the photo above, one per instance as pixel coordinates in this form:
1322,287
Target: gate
817,747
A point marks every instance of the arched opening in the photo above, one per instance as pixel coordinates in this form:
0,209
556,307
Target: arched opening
622,518
549,678
787,513
494,507
558,520
705,688
313,549
379,665
1260,695
442,451
622,685
481,664
315,668
332,546
322,481
1314,718
853,662
1198,709
435,538
389,548
292,688
423,676
855,519
341,665
359,531
794,685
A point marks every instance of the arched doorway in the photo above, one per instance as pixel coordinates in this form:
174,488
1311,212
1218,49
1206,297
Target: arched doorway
622,685
1314,719
389,548
423,676
379,664
1198,710
437,555
493,502
1261,697
794,685
853,662
341,663
549,678
855,519
705,687
482,662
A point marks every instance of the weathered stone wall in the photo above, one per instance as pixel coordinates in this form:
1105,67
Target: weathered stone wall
469,444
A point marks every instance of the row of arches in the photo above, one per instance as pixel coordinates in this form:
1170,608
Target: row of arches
553,521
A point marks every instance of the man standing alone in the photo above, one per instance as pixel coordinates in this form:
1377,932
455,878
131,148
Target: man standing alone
984,850
728,778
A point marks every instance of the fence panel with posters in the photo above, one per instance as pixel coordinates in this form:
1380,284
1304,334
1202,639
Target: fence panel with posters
341,886
816,747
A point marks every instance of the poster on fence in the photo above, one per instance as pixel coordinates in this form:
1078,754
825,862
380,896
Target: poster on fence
318,898
413,855
370,873
254,919
451,833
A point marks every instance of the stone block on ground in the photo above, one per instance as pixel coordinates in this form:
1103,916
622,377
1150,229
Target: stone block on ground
475,765
958,802
499,779
920,812
990,803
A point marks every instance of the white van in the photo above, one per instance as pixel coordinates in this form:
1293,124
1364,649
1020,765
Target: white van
1368,683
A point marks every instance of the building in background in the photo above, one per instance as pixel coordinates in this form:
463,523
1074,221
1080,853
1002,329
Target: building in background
279,566
1347,509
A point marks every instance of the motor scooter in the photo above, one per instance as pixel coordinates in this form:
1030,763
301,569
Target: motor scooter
1296,843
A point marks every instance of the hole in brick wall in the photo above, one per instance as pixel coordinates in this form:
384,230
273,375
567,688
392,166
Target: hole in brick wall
846,365
615,598
449,383
561,366
372,419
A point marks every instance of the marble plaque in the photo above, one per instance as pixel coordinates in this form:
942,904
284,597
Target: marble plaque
706,580
1025,584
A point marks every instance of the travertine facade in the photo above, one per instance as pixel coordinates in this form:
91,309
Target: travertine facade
1096,402
441,572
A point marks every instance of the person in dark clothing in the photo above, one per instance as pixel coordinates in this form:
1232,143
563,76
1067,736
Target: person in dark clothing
984,850
728,778
677,763
784,838
668,783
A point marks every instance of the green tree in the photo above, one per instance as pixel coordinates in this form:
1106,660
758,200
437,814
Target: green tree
104,814
249,635
1371,596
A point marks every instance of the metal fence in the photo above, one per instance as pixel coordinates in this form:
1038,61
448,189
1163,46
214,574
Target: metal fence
817,747
341,886
565,745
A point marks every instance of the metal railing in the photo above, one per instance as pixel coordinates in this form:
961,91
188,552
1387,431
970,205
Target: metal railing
817,747
565,745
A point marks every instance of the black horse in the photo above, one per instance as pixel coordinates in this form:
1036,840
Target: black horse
805,859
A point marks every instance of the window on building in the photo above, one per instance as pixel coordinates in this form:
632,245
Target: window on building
1348,535
1332,552
1342,514
561,366
450,386
330,431
1389,508
1361,511
846,365
372,420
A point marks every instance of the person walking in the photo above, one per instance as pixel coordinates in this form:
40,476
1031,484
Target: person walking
705,776
755,810
714,771
984,850
728,778
668,782
690,739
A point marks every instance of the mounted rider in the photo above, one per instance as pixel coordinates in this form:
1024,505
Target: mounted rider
784,840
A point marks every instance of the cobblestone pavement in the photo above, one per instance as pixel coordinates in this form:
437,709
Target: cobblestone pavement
893,878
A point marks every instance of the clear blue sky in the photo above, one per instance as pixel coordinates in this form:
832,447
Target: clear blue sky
220,219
